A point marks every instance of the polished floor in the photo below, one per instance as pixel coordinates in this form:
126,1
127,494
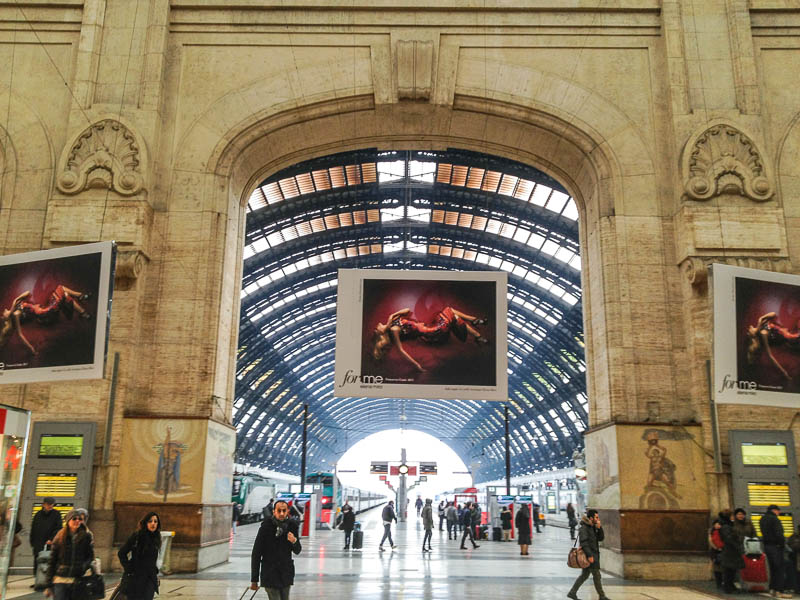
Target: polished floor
495,570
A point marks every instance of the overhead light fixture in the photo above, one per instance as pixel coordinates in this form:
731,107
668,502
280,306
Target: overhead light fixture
403,469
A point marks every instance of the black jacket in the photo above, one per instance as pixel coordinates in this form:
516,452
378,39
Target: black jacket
505,519
732,551
388,514
772,530
45,526
143,549
523,523
467,522
272,554
589,537
72,554
348,520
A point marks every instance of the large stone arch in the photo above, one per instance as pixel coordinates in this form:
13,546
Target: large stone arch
561,128
26,163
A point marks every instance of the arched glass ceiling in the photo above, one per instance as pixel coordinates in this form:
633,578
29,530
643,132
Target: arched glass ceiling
453,210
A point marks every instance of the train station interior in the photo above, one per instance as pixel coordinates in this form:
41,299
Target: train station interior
539,256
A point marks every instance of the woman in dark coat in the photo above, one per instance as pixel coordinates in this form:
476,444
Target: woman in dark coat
573,522
523,522
348,523
138,557
72,554
731,557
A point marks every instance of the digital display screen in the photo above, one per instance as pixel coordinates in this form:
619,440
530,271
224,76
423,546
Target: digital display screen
56,484
60,507
54,445
764,455
766,494
786,521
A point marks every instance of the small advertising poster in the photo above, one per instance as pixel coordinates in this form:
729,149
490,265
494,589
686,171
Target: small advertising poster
54,310
756,337
421,334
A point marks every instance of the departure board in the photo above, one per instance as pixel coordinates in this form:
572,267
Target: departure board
764,494
61,485
61,507
764,455
786,521
53,445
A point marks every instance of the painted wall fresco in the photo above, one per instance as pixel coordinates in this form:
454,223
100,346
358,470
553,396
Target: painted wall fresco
602,473
163,459
218,477
661,468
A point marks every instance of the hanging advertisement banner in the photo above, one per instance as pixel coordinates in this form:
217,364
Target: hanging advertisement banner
756,337
54,311
421,334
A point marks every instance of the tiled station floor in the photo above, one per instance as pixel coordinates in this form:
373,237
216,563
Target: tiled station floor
495,570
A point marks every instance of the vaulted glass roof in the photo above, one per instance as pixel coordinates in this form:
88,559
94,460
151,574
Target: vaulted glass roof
449,210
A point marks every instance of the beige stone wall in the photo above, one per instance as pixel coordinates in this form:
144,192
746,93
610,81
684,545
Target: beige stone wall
612,98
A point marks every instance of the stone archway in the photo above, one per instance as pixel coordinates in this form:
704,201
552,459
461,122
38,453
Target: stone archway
600,165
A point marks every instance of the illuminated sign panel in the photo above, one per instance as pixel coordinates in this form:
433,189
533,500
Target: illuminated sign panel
61,485
765,494
63,508
786,521
61,446
764,455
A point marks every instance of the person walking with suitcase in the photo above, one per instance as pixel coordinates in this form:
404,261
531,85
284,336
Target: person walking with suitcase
468,527
348,522
590,535
277,540
388,516
774,544
45,525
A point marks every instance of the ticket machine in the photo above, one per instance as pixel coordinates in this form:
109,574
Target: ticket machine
496,503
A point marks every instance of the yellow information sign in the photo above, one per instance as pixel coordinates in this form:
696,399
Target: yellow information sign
765,494
60,485
764,455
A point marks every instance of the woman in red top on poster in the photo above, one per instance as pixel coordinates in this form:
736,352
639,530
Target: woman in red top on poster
768,332
401,326
61,299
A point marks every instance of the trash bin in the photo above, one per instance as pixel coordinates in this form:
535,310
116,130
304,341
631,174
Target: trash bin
162,562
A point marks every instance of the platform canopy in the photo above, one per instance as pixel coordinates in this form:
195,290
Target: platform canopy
450,210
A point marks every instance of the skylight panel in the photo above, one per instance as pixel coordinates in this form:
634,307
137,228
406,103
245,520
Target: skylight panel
391,171
421,215
550,247
392,214
421,171
571,210
557,201
540,195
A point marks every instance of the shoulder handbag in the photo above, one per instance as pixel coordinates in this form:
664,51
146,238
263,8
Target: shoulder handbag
89,587
577,557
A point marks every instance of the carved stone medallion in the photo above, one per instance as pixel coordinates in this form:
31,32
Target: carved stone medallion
104,156
722,160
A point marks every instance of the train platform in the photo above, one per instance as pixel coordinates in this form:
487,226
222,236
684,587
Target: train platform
495,569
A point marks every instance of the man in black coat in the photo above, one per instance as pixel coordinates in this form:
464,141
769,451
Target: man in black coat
774,542
277,539
468,527
45,525
589,536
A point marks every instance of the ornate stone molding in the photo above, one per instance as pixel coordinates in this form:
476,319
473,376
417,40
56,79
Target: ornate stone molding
106,155
414,64
695,268
130,264
723,160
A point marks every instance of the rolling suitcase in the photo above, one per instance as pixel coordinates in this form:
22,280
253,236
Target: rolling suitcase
497,534
358,539
42,564
755,575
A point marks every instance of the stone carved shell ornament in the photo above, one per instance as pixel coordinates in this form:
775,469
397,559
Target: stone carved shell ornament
105,155
723,160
